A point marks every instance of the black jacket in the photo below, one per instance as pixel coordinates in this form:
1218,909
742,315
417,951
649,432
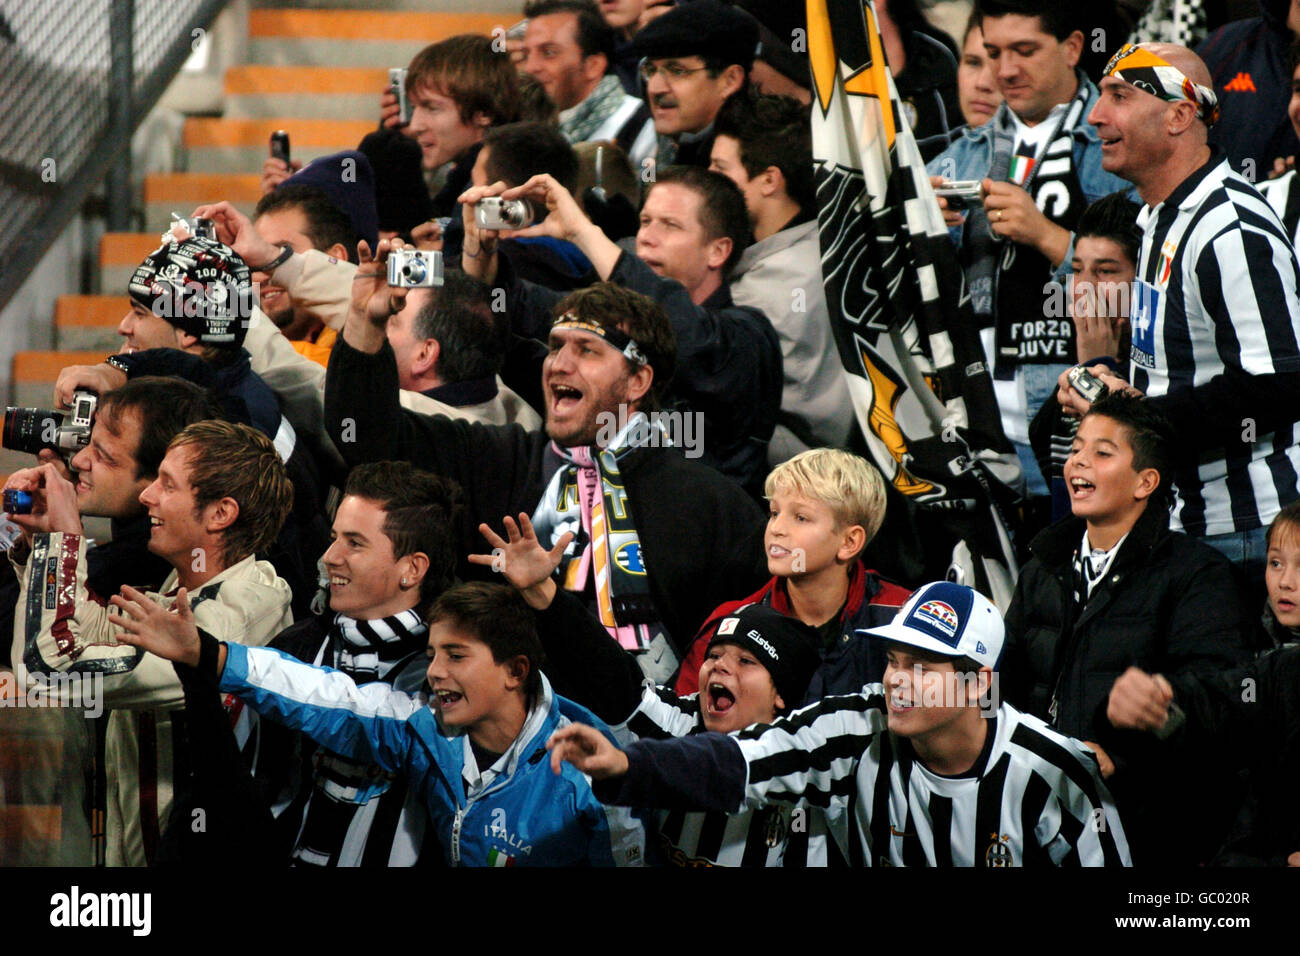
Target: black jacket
1248,61
728,361
1168,605
1250,719
701,534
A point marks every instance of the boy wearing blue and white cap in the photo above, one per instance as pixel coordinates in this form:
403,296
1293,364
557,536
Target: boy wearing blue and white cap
938,780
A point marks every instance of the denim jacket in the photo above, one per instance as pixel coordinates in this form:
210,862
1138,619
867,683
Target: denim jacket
970,157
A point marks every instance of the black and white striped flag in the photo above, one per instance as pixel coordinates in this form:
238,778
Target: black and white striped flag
922,391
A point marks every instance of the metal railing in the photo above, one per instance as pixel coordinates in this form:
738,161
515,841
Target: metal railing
76,78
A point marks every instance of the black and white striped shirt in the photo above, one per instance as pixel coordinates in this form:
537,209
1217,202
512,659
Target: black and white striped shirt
1033,798
1216,293
771,836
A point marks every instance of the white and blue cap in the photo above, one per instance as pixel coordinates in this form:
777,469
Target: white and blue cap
948,619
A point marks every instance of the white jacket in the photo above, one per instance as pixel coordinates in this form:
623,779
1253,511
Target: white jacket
68,629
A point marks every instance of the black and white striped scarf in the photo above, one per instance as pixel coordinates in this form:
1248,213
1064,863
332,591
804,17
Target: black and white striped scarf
367,650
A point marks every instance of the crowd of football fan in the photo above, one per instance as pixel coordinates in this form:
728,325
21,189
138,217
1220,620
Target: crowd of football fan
494,571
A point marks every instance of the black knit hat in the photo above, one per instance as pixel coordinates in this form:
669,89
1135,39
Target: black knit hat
704,28
198,285
784,645
346,178
401,195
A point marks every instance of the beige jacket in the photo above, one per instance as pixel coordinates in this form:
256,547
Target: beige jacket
67,629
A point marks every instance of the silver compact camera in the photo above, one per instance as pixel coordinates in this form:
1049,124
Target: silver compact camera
959,193
1088,385
197,227
414,269
497,213
397,86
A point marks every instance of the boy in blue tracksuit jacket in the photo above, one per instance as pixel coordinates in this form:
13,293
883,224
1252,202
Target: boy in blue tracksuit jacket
474,750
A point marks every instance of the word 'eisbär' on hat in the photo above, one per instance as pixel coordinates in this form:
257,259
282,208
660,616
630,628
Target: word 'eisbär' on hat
948,619
786,646
704,28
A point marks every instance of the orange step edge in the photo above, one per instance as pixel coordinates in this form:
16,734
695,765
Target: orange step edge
126,248
363,25
199,188
206,132
90,311
45,366
249,80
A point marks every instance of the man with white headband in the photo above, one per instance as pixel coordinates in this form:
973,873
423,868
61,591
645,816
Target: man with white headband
1214,310
658,540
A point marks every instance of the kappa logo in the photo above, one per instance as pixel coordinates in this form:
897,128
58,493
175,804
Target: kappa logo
1241,83
940,614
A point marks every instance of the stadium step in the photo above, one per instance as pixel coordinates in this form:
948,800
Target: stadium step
357,38
225,145
506,7
180,193
121,252
85,322
34,374
310,92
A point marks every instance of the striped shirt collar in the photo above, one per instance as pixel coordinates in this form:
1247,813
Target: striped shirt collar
1190,193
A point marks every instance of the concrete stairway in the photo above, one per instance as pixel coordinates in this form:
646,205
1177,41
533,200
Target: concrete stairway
316,69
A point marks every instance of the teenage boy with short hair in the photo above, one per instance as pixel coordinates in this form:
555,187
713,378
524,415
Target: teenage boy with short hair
757,666
764,146
918,768
472,750
825,507
393,553
1113,585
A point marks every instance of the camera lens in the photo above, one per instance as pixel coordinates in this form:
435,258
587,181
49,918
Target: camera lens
31,429
414,271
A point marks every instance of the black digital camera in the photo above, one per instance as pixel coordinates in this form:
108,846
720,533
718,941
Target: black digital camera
31,429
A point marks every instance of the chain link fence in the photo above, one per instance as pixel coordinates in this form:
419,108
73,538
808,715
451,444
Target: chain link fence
76,76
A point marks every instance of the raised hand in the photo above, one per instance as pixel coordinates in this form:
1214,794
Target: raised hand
54,500
236,230
146,624
522,559
372,298
587,749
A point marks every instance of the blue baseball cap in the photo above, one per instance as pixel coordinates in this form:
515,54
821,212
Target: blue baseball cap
948,619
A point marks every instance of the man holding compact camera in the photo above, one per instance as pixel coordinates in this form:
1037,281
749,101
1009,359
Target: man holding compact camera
1036,165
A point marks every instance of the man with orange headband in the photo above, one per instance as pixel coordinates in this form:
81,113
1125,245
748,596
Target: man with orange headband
1215,307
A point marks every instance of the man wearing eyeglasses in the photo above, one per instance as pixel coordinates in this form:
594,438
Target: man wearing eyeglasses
693,58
